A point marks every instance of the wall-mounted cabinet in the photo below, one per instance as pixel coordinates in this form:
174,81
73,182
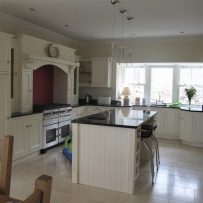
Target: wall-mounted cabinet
96,72
5,52
5,71
5,103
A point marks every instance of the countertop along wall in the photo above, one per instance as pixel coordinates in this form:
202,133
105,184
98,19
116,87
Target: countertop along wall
144,50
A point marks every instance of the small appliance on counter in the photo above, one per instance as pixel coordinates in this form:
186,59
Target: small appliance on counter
88,99
104,100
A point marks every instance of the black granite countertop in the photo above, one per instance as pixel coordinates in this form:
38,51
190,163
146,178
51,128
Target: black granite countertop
114,103
126,118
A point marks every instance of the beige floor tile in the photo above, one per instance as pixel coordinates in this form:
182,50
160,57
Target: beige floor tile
179,179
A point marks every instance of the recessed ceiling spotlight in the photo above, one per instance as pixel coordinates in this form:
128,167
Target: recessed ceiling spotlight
31,9
66,25
181,32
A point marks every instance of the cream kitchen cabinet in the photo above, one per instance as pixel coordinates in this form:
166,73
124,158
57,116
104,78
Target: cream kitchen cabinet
5,103
197,126
27,132
5,52
168,121
96,72
160,121
186,126
101,71
27,91
171,123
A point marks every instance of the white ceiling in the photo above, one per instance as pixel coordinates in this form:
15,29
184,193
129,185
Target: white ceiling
153,18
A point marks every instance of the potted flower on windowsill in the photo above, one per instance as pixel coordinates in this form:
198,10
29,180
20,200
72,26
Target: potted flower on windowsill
190,93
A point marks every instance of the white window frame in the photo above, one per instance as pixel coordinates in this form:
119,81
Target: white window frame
176,78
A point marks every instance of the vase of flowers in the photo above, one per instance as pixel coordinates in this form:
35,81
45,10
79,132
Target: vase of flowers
190,93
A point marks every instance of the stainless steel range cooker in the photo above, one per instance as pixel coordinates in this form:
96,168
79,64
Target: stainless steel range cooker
56,124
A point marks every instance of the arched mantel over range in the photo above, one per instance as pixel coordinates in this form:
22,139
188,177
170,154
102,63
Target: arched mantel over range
34,62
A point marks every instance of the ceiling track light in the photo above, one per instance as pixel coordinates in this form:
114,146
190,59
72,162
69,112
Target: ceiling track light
114,2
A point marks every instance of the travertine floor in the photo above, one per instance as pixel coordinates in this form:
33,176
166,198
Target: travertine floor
179,180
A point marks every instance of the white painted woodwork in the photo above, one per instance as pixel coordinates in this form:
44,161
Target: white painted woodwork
96,72
105,157
32,53
186,126
33,45
27,132
198,128
5,103
16,128
171,123
160,121
35,133
5,52
27,91
101,71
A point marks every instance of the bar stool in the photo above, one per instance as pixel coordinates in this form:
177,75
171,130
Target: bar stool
147,133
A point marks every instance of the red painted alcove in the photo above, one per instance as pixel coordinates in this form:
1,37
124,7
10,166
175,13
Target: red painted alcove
43,82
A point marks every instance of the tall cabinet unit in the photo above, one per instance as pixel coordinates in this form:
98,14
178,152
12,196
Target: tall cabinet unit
5,72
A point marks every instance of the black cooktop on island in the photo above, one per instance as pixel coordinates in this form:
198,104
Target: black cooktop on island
126,118
43,107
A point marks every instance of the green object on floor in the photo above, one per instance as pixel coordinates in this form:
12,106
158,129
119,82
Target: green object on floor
68,143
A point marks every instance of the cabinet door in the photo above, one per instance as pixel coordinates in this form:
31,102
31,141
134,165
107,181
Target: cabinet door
159,121
198,121
186,126
17,128
4,103
35,133
172,123
27,91
101,72
5,54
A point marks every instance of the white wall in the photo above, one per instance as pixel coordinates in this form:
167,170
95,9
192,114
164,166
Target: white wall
145,50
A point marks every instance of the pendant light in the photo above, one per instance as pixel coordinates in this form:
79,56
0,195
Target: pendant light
130,19
122,54
113,46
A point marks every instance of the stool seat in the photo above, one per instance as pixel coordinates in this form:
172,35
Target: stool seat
145,133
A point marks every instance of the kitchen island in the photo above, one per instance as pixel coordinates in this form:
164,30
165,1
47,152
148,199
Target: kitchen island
106,148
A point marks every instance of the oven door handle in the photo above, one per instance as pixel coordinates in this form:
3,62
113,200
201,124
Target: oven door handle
59,131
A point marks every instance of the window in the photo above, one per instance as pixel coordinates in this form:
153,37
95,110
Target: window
161,85
162,82
191,76
134,77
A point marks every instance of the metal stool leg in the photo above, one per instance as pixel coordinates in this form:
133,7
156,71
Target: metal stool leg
157,144
151,160
156,151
